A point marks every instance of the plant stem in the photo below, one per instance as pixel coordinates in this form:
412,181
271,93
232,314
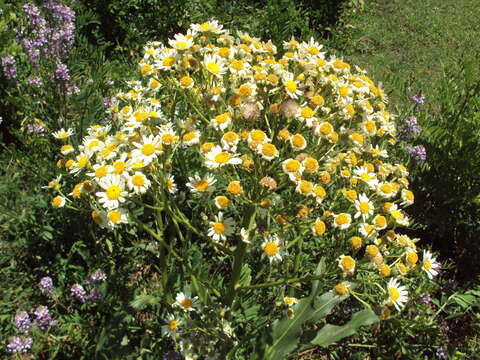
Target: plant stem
238,257
282,282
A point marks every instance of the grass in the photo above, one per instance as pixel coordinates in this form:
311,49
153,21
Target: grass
410,42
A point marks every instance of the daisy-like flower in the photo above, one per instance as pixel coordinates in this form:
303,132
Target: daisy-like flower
220,228
379,222
167,136
211,26
304,187
214,65
185,301
114,192
148,149
81,161
293,168
272,248
430,265
116,217
318,228
191,138
397,294
239,67
246,90
298,142
342,221
347,264
407,197
342,289
230,140
217,157
222,202
139,183
172,325
198,184
398,215
58,202
256,137
367,230
268,151
306,114
377,152
364,207
244,236
368,177
66,149
171,186
221,122
100,171
181,42
186,82
166,60
291,86
62,134
120,166
91,145
386,190
290,300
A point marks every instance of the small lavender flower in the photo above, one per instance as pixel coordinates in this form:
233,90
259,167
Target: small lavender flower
35,81
78,292
9,67
418,153
96,277
46,285
20,344
43,318
36,128
426,298
94,295
62,73
410,128
418,99
22,321
442,353
110,101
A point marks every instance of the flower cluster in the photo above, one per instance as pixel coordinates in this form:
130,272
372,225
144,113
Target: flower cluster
276,151
94,294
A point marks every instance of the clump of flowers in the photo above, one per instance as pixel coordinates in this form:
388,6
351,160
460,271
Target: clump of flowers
286,158
92,282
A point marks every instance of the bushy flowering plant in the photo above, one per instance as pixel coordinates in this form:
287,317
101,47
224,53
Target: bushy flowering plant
253,174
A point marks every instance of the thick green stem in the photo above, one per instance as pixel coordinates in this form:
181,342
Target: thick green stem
239,256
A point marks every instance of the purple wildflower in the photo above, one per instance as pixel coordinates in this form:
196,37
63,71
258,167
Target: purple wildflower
96,277
94,295
418,153
410,128
43,318
110,101
35,81
426,298
442,353
22,321
46,285
62,73
36,128
20,344
9,67
78,292
418,99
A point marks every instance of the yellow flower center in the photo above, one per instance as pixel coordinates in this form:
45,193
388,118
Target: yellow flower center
380,221
292,166
412,258
326,128
347,263
364,207
189,136
258,135
222,158
205,27
394,294
291,86
306,187
397,215
341,289
245,90
384,270
168,61
168,139
114,216
427,265
119,167
356,242
319,227
235,188
311,164
230,137
269,150
186,81
342,219
298,141
343,90
271,249
222,201
57,201
82,162
313,50
213,68
237,65
222,118
172,325
386,188
101,172
138,180
202,185
319,191
148,149
186,303
97,218
182,45
224,52
306,112
113,192
219,228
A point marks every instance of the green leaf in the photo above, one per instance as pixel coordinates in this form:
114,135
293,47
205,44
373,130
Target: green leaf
142,301
333,333
245,275
109,246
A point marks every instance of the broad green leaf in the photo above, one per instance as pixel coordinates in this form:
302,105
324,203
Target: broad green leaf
333,333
